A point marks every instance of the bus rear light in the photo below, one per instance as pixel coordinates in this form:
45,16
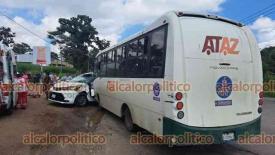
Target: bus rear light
179,105
178,95
261,101
261,94
180,114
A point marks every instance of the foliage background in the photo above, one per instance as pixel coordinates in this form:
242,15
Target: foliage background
33,69
268,60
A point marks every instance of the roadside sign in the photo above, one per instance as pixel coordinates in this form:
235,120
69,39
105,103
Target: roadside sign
41,55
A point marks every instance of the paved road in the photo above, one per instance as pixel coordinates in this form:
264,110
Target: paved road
41,117
119,139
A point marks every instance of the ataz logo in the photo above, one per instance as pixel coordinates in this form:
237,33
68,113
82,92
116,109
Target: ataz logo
217,44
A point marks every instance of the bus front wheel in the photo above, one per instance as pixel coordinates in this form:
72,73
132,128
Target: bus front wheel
128,121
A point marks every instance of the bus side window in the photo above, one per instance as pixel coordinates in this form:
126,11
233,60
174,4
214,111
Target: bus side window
132,59
142,69
111,63
118,61
157,53
103,65
122,72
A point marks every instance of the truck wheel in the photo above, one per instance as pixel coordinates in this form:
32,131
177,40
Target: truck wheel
81,100
128,121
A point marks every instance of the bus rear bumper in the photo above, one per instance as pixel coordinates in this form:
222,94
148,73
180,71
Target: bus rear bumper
219,135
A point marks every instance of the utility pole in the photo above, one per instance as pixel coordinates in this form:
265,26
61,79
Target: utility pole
61,61
41,68
88,61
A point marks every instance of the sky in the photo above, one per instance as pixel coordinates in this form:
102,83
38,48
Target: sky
117,19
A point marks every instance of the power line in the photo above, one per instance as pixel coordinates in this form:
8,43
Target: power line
259,12
25,28
264,14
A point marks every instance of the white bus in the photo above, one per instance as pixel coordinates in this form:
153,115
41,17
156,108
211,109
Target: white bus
8,96
210,54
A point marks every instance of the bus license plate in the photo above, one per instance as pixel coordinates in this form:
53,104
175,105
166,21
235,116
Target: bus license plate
228,136
53,95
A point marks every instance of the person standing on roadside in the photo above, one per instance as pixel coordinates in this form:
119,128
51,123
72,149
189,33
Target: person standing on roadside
55,78
25,76
22,91
46,84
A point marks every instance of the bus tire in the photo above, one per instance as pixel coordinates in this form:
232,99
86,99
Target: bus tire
128,121
81,100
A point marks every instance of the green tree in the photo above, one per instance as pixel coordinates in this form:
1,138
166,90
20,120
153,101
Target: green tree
54,56
21,48
102,44
78,40
268,60
6,36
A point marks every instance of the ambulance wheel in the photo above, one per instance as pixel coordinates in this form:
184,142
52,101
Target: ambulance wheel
9,109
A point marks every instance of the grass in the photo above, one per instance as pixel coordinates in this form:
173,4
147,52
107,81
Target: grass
33,69
269,94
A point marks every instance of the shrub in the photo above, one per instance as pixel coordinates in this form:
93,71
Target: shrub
33,69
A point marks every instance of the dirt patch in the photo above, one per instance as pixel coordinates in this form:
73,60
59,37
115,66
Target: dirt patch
41,117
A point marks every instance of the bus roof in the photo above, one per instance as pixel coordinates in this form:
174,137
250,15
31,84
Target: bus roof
179,14
208,16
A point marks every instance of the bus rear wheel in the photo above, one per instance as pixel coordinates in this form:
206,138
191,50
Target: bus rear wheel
128,121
